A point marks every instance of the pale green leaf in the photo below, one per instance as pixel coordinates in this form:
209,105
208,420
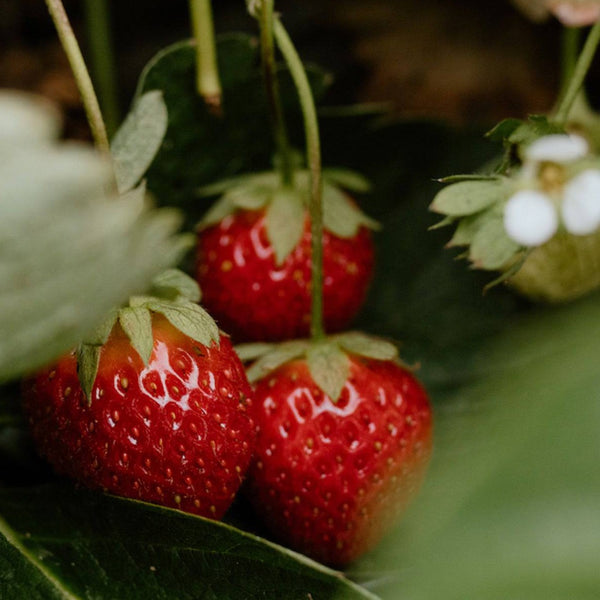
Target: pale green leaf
189,318
140,136
281,354
469,197
491,248
248,352
362,344
172,283
136,322
69,253
341,215
329,367
284,223
88,360
350,180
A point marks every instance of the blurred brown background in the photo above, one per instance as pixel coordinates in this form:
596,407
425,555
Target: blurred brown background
459,60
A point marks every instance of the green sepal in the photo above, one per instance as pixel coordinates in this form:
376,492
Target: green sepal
468,226
348,179
469,197
88,359
136,322
173,284
510,272
99,336
467,177
281,354
189,318
535,127
329,367
284,222
341,216
445,222
252,351
491,248
365,345
503,130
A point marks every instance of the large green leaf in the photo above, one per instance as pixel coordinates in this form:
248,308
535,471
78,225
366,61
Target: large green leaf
201,147
510,509
58,543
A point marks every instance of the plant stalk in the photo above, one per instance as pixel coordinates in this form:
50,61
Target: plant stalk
313,150
580,71
99,36
208,82
269,69
82,76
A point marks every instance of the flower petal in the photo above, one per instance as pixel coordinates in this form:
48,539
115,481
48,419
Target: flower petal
581,204
558,148
530,218
578,14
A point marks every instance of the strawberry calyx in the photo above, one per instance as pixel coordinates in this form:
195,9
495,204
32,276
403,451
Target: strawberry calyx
286,206
327,358
174,295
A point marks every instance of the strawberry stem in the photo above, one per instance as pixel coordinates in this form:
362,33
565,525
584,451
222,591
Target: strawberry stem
578,76
285,163
313,150
82,76
208,82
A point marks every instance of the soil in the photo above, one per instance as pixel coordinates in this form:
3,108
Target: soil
433,58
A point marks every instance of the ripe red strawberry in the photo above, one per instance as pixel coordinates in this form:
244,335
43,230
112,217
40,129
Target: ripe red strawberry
175,431
329,478
254,265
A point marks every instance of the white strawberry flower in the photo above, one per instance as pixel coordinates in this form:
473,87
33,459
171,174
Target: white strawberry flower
532,216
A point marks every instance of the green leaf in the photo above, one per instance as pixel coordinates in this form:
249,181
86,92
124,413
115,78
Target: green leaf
189,318
510,506
491,248
341,216
350,180
70,253
281,354
50,548
284,222
362,344
329,367
88,360
201,148
136,322
468,177
173,283
468,197
138,139
27,119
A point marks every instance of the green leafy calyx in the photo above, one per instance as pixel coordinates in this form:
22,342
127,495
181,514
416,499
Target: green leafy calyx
286,206
328,360
174,295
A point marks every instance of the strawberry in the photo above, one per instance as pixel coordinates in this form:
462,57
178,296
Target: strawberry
254,259
171,427
332,471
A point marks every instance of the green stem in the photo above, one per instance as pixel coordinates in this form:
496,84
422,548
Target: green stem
208,82
99,35
82,77
570,45
286,165
313,150
579,73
